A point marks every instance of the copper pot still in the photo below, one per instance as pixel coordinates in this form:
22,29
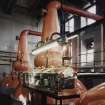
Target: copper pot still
51,24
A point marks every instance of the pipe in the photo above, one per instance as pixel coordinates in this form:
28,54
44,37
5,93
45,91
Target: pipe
80,12
23,60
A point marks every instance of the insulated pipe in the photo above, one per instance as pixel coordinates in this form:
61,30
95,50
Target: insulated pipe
23,60
51,22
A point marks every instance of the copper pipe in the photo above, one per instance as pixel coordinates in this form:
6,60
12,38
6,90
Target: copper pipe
23,59
34,33
80,12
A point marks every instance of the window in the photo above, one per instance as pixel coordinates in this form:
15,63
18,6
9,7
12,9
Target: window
86,21
83,21
87,56
69,25
92,10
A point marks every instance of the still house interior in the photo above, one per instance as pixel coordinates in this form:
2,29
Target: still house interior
52,52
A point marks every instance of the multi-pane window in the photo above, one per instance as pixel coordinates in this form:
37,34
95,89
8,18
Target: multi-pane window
92,10
87,55
86,21
69,25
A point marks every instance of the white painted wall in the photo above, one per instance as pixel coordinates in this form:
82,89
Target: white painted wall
11,26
